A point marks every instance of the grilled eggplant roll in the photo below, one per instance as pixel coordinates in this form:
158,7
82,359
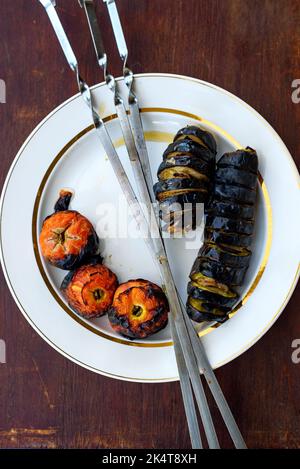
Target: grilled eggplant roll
223,259
67,238
185,177
140,308
90,289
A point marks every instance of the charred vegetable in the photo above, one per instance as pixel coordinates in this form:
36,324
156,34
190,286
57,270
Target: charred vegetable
139,309
67,238
218,272
185,177
198,135
90,289
223,259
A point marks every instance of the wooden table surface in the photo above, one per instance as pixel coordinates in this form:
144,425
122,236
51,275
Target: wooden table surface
249,47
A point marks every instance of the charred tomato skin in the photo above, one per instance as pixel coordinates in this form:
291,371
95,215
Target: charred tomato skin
67,238
140,308
89,290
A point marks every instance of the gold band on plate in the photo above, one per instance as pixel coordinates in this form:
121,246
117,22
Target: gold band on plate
149,136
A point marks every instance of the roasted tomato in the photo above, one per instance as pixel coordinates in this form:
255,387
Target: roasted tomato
223,259
90,289
185,176
67,238
140,308
217,299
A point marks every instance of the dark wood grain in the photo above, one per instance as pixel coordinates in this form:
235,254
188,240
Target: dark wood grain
249,47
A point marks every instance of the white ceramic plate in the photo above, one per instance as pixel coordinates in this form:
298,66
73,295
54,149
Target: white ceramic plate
64,151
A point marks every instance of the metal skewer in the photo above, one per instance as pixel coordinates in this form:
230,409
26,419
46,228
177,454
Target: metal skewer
134,116
179,331
198,348
132,201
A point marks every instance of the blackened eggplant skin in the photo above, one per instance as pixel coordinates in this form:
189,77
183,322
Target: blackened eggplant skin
193,162
216,253
234,193
172,204
181,220
67,238
223,259
187,201
230,210
63,202
216,299
239,177
222,273
162,196
231,239
230,224
185,175
200,316
207,307
140,308
244,159
188,147
90,288
203,135
93,260
178,183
